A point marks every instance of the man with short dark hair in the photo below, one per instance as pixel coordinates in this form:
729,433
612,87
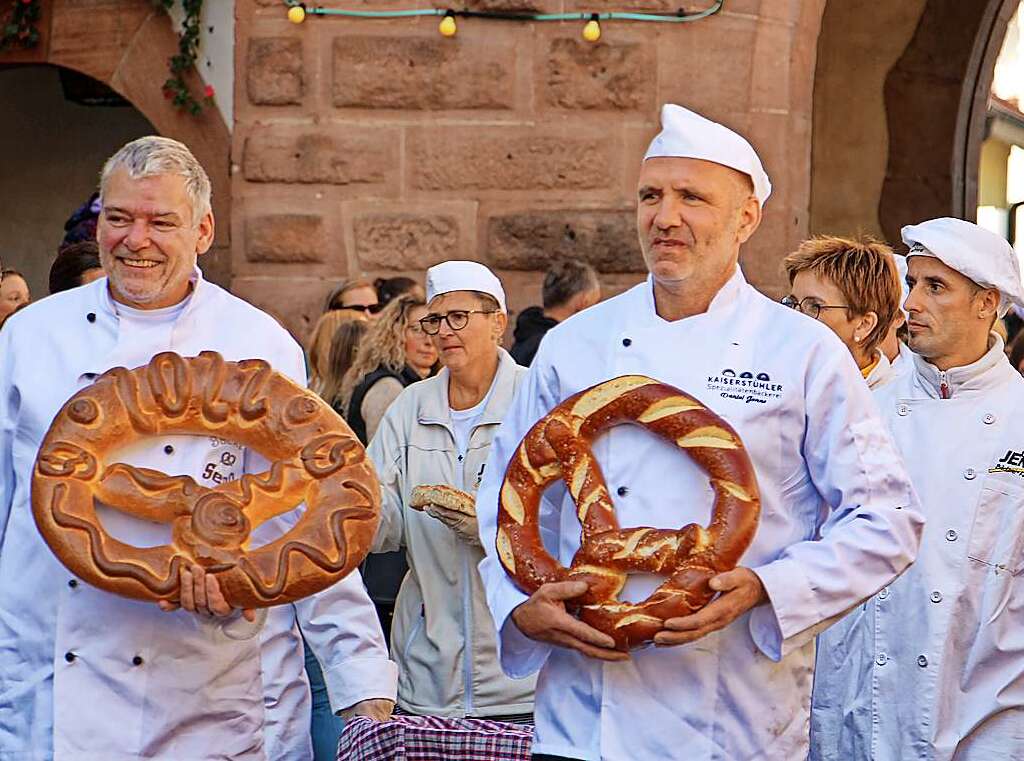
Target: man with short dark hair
932,667
570,286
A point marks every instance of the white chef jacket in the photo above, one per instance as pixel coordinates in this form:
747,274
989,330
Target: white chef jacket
932,667
794,394
88,675
341,627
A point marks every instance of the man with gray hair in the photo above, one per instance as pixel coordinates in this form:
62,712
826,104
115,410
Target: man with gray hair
86,674
570,286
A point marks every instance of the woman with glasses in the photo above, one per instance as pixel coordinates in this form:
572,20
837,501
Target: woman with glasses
439,431
394,353
853,287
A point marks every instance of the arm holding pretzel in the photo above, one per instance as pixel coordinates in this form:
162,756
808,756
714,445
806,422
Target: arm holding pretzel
869,537
529,625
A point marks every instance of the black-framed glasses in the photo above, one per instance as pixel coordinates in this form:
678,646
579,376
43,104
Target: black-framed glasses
457,319
809,306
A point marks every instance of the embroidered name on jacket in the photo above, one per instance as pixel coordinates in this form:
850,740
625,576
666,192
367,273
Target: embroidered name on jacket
1011,462
745,386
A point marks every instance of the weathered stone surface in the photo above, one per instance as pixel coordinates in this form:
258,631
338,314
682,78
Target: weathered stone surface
699,64
584,75
274,71
514,6
336,157
285,238
508,158
404,241
651,6
425,73
531,239
295,302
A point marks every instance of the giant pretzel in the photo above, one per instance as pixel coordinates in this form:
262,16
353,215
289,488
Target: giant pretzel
558,447
315,459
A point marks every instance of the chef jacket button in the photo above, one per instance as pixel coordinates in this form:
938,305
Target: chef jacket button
622,491
902,410
627,342
989,418
69,656
970,473
168,449
884,593
936,596
73,583
137,660
922,661
881,659
951,535
91,317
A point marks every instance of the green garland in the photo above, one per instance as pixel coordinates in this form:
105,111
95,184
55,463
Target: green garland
20,31
175,88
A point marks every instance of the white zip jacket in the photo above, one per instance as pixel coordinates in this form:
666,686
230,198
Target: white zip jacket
442,635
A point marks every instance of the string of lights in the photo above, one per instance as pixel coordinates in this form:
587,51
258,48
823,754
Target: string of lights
298,11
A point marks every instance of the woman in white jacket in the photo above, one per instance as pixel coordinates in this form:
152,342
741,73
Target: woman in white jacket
439,431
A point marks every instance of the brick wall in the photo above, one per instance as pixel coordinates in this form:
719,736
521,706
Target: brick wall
380,147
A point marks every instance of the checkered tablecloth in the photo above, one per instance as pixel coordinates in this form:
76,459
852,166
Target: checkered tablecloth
432,738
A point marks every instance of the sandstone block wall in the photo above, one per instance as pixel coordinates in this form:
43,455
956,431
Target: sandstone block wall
380,147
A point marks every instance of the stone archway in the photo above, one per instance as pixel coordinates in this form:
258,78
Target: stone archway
126,45
900,96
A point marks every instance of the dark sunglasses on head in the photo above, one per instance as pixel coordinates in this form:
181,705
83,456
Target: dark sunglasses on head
371,308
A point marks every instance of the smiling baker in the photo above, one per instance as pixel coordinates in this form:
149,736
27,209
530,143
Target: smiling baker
86,674
933,666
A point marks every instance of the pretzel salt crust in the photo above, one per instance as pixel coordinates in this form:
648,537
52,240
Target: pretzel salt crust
315,459
558,447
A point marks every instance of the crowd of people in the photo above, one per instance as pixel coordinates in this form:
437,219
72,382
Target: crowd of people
874,615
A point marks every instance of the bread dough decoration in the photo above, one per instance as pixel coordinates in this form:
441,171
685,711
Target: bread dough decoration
558,446
316,459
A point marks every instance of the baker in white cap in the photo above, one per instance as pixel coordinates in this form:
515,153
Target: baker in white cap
438,432
838,518
933,666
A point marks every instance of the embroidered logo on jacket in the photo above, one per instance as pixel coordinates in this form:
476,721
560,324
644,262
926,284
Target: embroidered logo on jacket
745,386
1011,462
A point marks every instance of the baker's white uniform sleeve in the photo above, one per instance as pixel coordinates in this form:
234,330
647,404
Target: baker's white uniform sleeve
873,529
341,627
519,655
9,403
387,451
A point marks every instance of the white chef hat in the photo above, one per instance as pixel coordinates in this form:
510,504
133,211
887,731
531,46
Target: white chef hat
901,268
460,275
976,253
688,135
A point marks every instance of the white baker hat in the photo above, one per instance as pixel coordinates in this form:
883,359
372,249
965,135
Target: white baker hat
688,135
976,253
458,275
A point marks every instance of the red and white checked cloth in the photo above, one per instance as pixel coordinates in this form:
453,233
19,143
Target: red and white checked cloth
433,738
